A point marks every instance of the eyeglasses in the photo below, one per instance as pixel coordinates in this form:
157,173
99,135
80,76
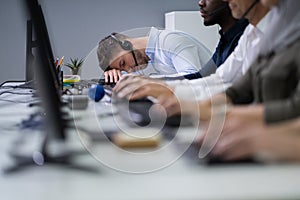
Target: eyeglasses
134,57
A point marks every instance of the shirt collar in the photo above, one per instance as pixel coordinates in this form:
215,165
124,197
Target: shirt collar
262,24
150,49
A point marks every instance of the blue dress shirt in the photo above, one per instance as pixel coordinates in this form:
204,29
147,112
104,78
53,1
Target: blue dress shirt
229,41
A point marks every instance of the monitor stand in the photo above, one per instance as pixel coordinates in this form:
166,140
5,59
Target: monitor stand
64,158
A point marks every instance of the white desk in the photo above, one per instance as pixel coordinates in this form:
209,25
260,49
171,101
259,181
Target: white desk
183,179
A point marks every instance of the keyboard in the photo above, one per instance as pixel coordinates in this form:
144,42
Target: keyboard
102,82
139,112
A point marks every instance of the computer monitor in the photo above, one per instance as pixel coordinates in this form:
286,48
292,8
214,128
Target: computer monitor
45,73
50,94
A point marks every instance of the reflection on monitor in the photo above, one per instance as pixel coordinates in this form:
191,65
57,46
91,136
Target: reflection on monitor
30,46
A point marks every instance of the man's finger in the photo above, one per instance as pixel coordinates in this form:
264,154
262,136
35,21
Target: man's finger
128,90
111,76
115,75
124,82
106,77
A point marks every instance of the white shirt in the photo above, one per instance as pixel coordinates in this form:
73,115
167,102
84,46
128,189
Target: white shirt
174,52
234,67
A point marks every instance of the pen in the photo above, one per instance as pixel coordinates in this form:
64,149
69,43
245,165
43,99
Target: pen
61,61
60,72
58,67
56,62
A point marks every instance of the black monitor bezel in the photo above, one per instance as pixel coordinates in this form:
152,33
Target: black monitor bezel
46,77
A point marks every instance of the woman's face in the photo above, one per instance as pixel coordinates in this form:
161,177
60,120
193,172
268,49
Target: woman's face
269,3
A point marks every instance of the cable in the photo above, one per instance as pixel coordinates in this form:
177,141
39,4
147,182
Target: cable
68,92
12,81
17,93
12,101
26,85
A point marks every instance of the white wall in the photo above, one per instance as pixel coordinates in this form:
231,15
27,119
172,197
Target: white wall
192,23
75,26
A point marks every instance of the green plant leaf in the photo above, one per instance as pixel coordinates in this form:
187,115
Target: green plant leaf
74,63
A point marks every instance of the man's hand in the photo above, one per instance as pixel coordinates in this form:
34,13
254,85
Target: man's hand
135,87
112,76
240,122
176,106
266,143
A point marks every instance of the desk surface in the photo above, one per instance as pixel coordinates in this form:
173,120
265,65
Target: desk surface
181,179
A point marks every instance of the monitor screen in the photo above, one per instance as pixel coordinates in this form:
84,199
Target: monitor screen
45,73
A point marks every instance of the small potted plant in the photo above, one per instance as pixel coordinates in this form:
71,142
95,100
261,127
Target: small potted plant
75,65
